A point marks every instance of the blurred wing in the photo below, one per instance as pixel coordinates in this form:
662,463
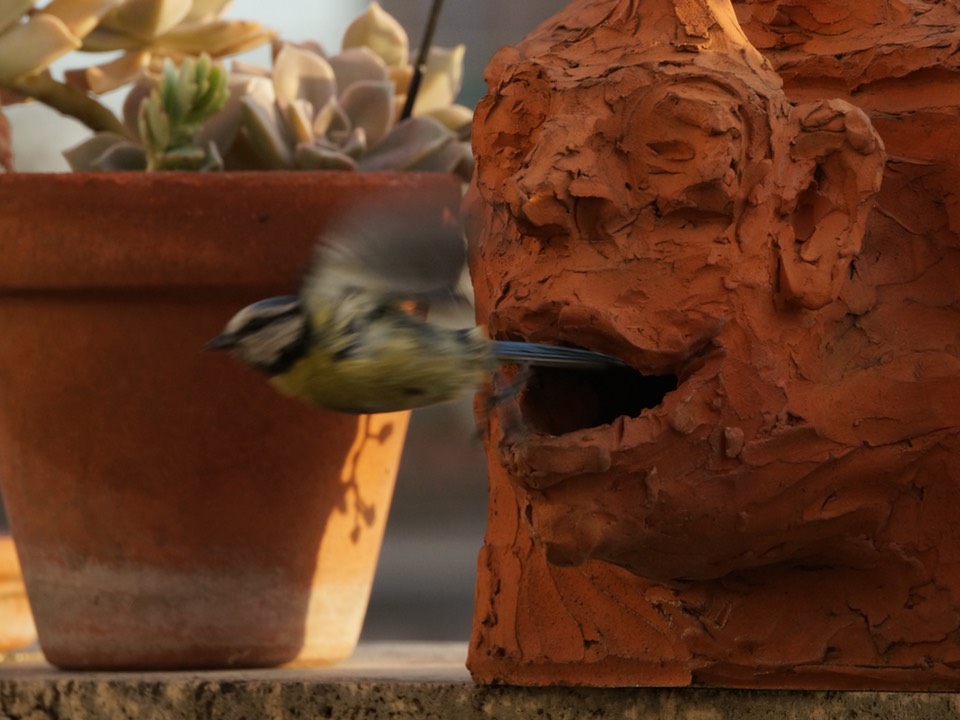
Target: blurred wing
385,251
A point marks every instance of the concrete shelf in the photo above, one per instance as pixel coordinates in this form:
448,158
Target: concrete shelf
409,680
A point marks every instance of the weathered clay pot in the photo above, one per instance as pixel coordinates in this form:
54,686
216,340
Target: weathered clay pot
170,508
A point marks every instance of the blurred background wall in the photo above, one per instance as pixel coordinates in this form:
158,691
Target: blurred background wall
424,584
425,581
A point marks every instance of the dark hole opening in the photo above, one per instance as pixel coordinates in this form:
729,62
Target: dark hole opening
558,401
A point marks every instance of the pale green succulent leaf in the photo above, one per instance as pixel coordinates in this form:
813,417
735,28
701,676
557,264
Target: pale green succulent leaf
299,115
106,151
183,158
212,83
206,10
126,156
216,38
331,120
356,65
214,159
11,11
241,70
146,19
451,156
172,115
356,144
379,30
455,117
308,156
108,76
154,123
186,86
136,96
222,127
83,155
302,74
198,90
369,105
80,16
260,122
187,157
442,79
169,95
102,39
30,47
407,145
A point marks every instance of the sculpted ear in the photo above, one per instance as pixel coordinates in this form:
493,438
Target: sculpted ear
836,165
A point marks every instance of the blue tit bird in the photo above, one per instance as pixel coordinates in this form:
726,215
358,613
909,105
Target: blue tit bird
349,341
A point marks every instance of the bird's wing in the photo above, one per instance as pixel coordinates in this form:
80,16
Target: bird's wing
387,251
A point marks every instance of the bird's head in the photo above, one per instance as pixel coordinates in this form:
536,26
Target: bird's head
271,335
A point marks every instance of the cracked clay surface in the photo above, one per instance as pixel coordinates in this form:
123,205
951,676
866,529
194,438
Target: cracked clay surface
769,237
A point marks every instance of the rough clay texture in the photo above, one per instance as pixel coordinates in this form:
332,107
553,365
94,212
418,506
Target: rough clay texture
647,186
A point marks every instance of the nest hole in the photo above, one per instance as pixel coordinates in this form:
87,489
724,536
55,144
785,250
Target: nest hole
557,401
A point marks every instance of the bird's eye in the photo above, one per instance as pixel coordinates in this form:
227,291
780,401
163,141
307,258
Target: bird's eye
256,324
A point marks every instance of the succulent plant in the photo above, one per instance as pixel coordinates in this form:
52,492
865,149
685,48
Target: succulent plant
309,111
315,111
145,31
168,120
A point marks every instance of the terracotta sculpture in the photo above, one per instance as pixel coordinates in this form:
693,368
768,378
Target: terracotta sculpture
771,499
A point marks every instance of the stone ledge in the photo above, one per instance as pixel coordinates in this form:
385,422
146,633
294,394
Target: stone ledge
410,680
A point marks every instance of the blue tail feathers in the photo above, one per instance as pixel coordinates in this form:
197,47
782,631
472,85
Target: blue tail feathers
552,356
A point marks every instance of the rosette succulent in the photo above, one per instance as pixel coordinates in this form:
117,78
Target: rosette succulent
311,110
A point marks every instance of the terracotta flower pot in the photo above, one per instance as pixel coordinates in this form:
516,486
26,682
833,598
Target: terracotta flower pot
170,508
16,622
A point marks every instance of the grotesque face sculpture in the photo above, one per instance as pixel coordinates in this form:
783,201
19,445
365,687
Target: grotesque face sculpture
768,498
661,201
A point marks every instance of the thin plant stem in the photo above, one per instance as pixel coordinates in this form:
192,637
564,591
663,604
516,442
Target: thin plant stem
69,101
422,56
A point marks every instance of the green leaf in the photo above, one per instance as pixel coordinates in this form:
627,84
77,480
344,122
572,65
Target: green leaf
169,101
175,112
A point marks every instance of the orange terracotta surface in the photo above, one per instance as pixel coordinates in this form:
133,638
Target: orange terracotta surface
16,622
170,508
770,499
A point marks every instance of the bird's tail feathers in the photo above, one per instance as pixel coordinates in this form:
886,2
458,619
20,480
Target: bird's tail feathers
552,355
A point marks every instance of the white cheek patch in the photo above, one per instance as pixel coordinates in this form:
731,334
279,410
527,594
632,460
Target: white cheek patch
260,310
265,346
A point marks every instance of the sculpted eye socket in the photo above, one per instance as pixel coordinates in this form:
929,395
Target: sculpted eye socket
675,150
694,217
684,145
514,116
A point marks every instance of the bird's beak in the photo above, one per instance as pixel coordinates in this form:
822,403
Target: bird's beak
223,341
